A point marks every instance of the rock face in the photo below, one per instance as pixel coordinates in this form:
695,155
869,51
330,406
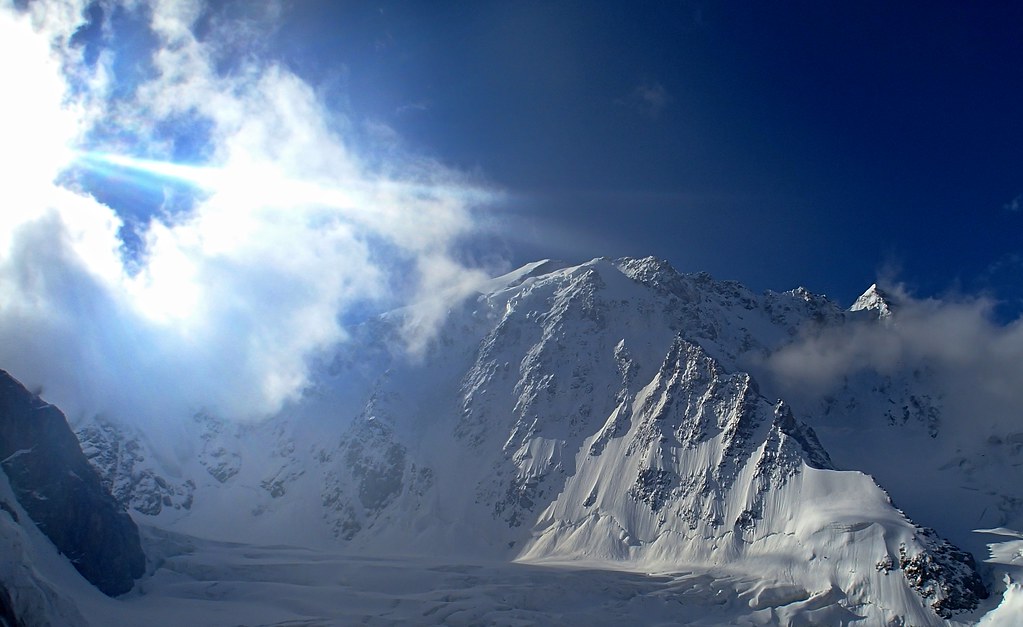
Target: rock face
118,454
943,574
7,617
62,492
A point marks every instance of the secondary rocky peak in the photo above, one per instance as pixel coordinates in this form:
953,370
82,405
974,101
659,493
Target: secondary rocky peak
875,300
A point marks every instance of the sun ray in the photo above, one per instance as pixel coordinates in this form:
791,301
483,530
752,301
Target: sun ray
267,185
104,163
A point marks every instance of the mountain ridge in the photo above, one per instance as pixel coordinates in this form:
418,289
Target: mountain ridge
603,413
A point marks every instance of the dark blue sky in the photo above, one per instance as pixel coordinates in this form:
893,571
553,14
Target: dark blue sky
780,144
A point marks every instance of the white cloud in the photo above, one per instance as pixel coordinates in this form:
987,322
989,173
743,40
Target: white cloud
232,298
1015,204
976,361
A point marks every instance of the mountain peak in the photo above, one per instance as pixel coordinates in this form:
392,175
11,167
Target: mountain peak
874,299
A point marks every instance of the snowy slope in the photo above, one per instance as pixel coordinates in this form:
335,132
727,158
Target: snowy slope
610,414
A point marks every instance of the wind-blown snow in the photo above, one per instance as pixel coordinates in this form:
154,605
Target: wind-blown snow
1009,611
1007,556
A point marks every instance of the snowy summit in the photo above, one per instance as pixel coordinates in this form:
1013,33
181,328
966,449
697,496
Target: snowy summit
874,300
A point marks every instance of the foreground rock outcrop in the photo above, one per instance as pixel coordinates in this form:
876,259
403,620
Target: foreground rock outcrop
62,493
7,617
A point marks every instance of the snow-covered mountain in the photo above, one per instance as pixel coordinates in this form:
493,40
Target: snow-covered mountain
614,413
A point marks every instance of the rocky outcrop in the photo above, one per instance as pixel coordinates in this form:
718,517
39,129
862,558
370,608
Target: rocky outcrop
7,617
943,574
367,474
62,493
119,455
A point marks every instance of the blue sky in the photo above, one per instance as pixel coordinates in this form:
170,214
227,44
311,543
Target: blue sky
207,194
778,144
806,144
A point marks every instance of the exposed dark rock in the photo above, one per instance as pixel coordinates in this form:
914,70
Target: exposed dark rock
118,456
6,507
653,486
374,472
521,497
7,617
812,450
62,493
943,574
224,466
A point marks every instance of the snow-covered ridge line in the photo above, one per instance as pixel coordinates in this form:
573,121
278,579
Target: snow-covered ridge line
608,412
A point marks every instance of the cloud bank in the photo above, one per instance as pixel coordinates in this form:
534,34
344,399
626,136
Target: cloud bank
975,361
290,225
